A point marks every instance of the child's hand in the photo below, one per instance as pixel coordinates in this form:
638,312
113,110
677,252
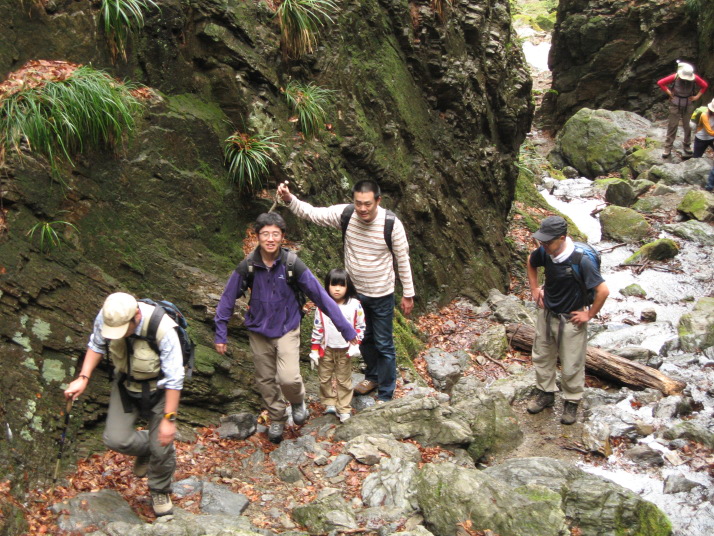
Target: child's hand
314,359
353,350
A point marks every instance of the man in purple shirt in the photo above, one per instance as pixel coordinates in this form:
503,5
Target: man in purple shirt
273,322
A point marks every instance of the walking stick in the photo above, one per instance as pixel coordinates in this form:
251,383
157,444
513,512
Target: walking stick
67,413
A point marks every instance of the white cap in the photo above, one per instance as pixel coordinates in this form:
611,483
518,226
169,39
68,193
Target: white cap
711,106
685,71
119,309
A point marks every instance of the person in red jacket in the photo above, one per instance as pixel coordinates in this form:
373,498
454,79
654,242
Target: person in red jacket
681,88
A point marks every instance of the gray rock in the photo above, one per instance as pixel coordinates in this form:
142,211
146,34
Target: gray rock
593,398
94,508
290,454
329,512
218,499
509,309
635,353
662,189
640,186
694,430
420,391
384,520
693,171
696,329
392,485
186,487
515,387
672,406
492,342
623,224
678,483
338,465
386,444
649,314
444,368
361,402
603,422
238,426
595,505
698,204
570,172
693,230
644,455
619,192
641,160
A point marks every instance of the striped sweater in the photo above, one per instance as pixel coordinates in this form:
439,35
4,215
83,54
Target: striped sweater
367,257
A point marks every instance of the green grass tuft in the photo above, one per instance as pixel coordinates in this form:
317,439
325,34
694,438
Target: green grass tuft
121,18
300,21
48,236
247,158
308,101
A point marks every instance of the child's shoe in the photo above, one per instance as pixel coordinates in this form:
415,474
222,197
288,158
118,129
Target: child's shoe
344,417
330,410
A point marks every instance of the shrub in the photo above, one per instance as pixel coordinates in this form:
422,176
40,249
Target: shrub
120,18
57,118
308,101
49,238
247,158
299,24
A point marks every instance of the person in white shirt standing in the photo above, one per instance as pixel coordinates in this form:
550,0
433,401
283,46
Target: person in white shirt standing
369,262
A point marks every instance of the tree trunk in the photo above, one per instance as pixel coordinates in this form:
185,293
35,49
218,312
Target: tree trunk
606,365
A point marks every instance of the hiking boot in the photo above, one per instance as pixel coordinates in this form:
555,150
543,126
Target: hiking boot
344,416
275,431
688,149
541,401
570,412
162,504
300,413
141,465
666,153
365,386
330,410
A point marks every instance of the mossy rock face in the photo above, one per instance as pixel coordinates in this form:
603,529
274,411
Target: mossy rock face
659,250
633,290
698,204
693,171
641,160
693,230
648,205
623,224
640,186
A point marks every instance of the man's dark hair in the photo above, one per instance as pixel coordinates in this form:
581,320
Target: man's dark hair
367,185
338,276
269,218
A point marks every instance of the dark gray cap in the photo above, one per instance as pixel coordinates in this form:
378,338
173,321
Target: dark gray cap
550,228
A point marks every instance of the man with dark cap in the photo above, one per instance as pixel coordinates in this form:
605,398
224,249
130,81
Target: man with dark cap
561,328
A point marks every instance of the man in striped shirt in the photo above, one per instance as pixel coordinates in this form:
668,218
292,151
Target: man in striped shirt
369,262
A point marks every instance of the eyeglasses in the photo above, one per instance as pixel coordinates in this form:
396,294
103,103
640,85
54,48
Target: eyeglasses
547,242
267,234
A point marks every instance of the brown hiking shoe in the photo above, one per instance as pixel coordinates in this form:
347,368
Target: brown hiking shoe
162,504
141,465
541,401
570,412
365,386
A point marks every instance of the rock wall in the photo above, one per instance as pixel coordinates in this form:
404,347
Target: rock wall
435,110
610,53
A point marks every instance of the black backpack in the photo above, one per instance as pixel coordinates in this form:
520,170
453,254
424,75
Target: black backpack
294,268
583,248
388,225
188,347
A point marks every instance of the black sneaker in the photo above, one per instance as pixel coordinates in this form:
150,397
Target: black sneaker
275,431
541,401
570,412
300,413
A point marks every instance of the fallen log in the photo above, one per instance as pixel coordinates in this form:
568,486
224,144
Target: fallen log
606,365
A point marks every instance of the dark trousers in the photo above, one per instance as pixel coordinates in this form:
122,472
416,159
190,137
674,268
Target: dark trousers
710,181
377,347
700,146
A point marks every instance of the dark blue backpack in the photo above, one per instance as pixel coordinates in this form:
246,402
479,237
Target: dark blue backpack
164,307
583,248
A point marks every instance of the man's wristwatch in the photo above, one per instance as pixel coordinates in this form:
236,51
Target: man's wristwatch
171,417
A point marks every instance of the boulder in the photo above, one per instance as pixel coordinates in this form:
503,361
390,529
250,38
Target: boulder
448,494
660,250
640,186
445,368
699,430
693,171
593,141
329,512
392,485
290,454
510,309
623,224
94,508
698,204
696,329
595,505
641,160
384,444
492,342
183,523
693,230
649,204
619,192
218,499
662,189
633,290
238,426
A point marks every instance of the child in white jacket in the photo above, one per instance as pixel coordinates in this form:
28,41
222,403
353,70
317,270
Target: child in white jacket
330,352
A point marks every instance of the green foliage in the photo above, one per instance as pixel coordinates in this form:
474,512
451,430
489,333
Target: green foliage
693,7
299,22
120,18
308,101
247,158
47,232
63,117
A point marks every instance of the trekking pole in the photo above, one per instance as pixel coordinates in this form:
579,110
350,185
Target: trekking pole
68,411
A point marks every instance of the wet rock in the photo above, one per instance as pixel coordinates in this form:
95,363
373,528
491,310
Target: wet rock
219,499
693,171
337,466
678,483
592,140
648,314
696,329
238,426
644,455
636,335
94,508
698,204
492,342
633,290
692,230
329,512
619,192
659,250
624,224
392,485
595,505
444,368
448,494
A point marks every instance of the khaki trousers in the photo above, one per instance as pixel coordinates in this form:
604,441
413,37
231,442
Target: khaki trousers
277,371
338,365
557,337
676,114
121,435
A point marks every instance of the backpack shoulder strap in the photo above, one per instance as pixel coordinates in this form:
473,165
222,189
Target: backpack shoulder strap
294,267
246,269
389,228
345,219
